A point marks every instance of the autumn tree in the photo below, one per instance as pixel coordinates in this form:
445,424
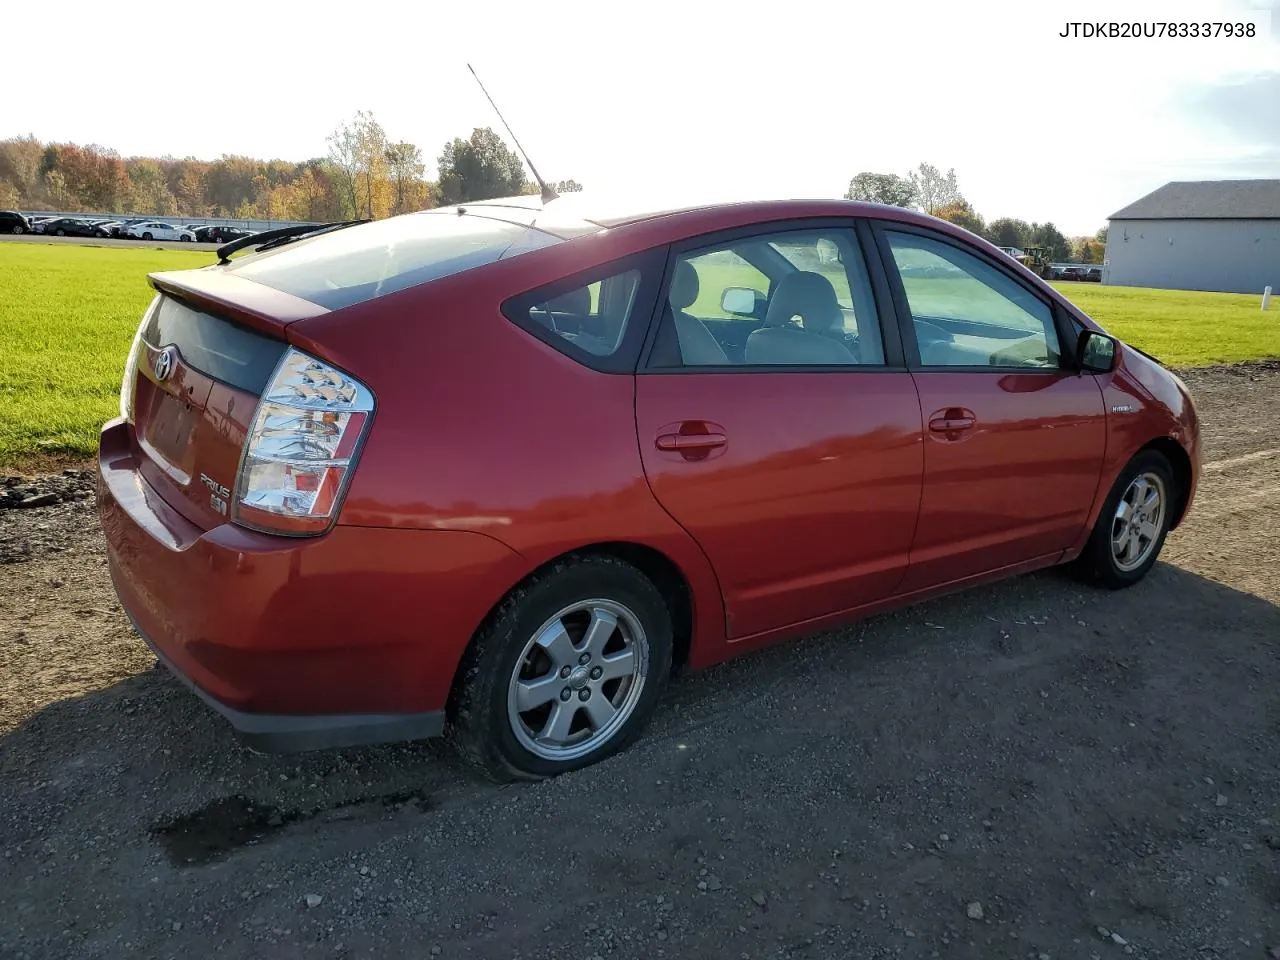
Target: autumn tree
568,186
886,188
192,191
344,156
56,186
20,166
94,176
933,188
229,183
358,152
148,193
479,168
962,214
405,168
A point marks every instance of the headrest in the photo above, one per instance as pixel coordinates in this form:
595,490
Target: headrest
574,301
684,286
809,296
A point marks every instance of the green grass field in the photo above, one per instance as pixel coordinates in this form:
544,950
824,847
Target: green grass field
67,316
68,313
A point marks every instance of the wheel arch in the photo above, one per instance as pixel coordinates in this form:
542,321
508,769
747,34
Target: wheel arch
1180,463
665,574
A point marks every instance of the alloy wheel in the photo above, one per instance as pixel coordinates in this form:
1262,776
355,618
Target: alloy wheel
578,680
1138,521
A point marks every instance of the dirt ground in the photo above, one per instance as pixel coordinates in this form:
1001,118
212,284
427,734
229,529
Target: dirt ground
1029,770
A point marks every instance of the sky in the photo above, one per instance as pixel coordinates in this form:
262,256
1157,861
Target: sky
693,99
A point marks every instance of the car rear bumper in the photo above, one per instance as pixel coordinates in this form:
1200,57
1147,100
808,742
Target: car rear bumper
290,733
300,643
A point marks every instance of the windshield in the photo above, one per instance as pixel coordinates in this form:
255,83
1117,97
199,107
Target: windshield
372,260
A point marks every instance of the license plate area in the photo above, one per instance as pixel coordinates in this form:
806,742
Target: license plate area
169,434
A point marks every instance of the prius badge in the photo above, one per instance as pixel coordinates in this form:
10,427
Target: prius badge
218,494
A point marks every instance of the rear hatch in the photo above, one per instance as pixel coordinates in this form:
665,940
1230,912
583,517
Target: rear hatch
213,338
205,352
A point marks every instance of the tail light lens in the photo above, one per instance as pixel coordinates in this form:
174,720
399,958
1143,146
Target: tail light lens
301,449
129,383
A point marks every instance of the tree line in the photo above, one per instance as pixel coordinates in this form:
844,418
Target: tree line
928,189
365,173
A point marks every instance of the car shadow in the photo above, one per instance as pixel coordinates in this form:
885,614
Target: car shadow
900,678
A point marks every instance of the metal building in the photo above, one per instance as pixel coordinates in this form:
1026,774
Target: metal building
1221,235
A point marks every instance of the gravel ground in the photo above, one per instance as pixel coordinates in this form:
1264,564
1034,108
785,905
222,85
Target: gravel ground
1024,771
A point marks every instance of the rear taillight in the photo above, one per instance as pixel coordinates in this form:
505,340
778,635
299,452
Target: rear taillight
301,449
129,383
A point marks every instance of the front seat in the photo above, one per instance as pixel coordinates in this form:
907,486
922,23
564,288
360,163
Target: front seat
810,297
698,346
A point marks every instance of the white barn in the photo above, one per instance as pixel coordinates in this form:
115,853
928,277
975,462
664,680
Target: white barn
1221,235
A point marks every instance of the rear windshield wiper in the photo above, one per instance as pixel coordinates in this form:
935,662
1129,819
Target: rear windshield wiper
276,238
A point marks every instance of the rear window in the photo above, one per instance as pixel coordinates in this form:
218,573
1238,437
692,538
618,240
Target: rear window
236,356
372,260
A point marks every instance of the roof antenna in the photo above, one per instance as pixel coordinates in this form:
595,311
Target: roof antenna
547,193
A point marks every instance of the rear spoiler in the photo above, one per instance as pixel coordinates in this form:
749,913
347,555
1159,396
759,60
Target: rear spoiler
252,304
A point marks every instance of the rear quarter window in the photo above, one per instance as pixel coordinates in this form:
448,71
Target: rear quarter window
372,260
598,317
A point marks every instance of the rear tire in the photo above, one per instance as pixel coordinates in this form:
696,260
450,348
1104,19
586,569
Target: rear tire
147,236
565,672
61,232
1132,525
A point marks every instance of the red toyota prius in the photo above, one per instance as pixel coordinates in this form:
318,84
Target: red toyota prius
496,469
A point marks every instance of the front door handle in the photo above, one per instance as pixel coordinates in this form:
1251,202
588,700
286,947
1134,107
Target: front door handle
690,441
952,422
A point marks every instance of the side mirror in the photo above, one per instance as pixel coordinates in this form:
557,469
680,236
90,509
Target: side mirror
740,301
1096,352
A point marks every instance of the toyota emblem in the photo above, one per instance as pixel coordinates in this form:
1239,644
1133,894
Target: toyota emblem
164,364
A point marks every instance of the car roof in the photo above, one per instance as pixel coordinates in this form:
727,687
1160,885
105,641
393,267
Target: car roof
575,214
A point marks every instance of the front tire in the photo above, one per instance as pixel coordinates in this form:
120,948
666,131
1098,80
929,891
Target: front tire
1133,524
567,671
17,229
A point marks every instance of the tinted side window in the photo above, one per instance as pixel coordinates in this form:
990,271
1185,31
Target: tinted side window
785,298
593,316
717,272
967,313
599,316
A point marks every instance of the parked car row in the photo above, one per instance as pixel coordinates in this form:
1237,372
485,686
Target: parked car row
1063,271
137,228
1077,272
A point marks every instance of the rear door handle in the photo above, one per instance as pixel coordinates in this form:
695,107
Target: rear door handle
690,441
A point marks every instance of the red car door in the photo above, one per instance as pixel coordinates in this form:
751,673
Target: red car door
1014,436
778,426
